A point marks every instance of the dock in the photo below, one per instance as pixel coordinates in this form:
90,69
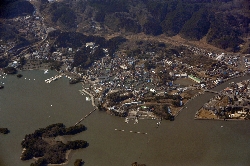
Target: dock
83,91
53,78
91,96
85,117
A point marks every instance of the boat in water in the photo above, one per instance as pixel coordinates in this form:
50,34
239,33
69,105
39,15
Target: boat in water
46,71
88,99
1,87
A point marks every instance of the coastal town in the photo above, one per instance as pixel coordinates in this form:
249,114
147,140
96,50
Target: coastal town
146,81
163,82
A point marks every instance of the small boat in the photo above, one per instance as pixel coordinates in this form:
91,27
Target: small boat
1,87
88,99
46,71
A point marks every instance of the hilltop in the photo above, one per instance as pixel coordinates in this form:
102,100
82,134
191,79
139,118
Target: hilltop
223,24
217,25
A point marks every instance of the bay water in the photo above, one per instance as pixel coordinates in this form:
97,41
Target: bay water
29,104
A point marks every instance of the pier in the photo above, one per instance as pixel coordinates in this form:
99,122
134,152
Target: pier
85,117
93,104
53,78
91,96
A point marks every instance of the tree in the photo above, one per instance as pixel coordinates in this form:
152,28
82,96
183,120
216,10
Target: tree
162,74
198,26
152,27
4,62
55,65
22,60
10,70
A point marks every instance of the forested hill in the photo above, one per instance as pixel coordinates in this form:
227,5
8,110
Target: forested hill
15,8
221,23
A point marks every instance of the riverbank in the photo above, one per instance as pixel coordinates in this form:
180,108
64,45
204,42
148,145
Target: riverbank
231,103
184,106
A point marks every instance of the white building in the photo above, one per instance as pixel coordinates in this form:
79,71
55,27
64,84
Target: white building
90,44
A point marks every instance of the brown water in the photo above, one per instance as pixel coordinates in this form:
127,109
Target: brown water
26,105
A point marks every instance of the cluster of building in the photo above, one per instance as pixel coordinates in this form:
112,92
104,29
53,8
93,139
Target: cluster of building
32,28
131,75
231,103
31,25
4,47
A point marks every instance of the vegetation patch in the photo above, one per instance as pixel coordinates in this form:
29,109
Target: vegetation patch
15,8
10,70
43,146
4,130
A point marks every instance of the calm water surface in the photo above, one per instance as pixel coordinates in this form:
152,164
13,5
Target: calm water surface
25,105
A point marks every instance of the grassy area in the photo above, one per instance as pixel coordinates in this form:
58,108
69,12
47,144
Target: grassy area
205,114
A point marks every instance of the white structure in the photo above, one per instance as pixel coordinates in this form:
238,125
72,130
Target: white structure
220,57
90,44
184,75
152,90
124,67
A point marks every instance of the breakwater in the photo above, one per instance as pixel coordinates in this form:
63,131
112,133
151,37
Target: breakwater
92,102
85,117
91,96
53,78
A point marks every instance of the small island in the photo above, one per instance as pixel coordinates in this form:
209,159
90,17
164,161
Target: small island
4,130
43,146
19,75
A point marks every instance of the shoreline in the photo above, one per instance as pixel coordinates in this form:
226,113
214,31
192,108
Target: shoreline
178,112
183,107
91,96
66,157
164,128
